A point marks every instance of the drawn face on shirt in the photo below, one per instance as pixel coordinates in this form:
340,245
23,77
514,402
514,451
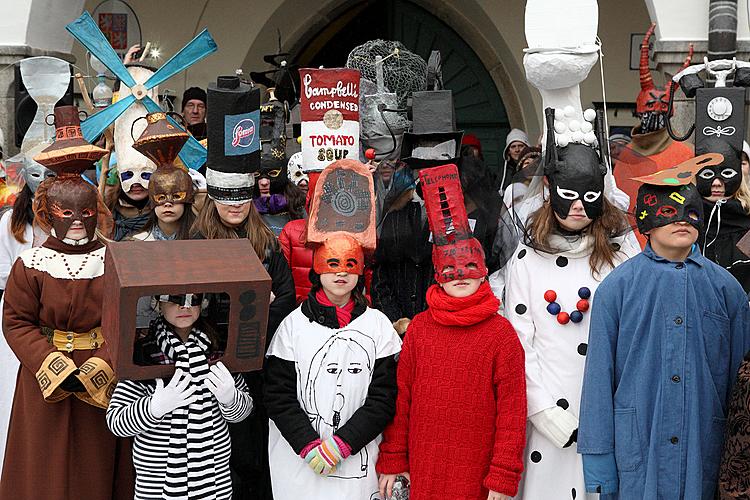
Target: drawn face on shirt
339,376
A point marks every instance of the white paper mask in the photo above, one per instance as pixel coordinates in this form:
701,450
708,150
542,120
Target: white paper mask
294,169
133,167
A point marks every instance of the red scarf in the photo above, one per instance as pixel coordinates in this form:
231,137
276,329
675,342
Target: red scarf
466,311
343,313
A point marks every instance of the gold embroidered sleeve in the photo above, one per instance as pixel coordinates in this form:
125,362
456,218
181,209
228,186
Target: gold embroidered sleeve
99,380
55,368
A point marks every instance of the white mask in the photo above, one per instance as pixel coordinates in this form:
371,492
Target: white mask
294,169
133,167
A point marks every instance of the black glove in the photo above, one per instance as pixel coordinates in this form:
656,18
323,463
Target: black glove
573,439
72,384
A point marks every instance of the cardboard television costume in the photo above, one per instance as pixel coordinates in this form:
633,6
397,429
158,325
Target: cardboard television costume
52,320
169,269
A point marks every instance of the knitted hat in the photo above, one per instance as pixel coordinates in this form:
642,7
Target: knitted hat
472,140
196,93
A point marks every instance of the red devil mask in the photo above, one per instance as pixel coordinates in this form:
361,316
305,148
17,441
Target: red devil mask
651,99
459,260
72,200
455,254
341,254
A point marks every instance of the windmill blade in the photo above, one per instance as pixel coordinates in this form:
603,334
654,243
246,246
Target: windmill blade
95,124
198,48
85,30
192,154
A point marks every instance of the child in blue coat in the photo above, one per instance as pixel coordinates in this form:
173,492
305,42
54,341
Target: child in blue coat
669,329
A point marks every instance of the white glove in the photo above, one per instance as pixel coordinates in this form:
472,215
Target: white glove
221,384
199,182
177,394
555,424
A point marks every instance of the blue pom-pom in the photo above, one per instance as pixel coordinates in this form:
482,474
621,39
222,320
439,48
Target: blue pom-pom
584,292
576,316
553,308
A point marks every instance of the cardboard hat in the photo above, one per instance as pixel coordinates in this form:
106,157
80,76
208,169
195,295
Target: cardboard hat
342,217
233,140
70,154
456,254
343,203
160,141
433,140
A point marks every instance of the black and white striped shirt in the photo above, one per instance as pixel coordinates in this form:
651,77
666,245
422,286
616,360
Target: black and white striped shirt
129,415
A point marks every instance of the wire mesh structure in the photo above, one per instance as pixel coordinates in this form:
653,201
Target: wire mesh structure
403,71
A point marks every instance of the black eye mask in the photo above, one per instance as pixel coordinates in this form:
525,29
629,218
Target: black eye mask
577,175
659,206
729,171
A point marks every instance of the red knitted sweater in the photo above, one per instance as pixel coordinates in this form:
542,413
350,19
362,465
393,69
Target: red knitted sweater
460,425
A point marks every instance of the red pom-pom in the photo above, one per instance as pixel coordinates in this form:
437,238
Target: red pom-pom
370,154
563,318
550,296
582,305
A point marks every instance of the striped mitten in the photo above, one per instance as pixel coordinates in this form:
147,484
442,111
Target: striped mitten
324,457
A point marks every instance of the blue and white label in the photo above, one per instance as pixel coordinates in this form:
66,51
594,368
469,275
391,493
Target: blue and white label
241,134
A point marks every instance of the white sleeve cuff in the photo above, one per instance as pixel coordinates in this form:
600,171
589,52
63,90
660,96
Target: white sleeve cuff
555,424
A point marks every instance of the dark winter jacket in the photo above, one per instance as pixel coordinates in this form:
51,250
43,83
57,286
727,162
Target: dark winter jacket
403,263
731,222
249,461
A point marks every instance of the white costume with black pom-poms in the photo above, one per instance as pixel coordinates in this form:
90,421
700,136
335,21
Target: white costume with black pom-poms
555,355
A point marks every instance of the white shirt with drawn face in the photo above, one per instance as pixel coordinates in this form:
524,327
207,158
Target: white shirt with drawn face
334,370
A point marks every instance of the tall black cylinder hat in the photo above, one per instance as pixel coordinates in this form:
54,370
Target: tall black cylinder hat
233,118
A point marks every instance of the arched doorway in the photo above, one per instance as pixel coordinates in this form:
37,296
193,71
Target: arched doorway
479,107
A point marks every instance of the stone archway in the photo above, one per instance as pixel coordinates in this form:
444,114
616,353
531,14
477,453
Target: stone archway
469,21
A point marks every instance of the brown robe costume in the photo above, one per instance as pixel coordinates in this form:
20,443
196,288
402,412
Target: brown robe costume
59,446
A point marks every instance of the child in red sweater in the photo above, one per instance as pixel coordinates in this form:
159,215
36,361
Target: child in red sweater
460,425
